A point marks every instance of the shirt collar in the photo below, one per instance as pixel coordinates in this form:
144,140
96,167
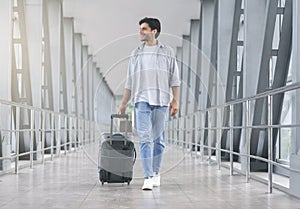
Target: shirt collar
160,45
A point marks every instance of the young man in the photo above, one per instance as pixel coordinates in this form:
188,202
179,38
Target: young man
152,73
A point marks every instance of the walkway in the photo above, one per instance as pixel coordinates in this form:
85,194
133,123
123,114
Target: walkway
71,182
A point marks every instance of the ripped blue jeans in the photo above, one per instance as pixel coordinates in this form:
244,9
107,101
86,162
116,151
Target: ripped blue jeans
151,122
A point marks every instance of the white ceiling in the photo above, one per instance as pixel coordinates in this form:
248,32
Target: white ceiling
110,29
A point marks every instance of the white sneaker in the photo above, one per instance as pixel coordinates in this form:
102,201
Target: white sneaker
148,184
156,180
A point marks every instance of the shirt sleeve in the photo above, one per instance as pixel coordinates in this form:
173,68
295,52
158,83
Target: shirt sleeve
128,84
174,71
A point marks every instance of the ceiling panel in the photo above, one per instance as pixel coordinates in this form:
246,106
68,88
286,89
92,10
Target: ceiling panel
110,29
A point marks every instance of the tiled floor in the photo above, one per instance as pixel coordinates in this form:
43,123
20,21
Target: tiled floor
72,182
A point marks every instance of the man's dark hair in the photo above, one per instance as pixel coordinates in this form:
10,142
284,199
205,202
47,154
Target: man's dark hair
153,24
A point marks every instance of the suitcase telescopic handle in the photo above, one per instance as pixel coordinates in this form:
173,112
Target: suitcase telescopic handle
119,116
111,125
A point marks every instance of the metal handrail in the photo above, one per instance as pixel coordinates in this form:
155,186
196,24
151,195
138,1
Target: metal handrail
75,126
37,109
271,92
185,142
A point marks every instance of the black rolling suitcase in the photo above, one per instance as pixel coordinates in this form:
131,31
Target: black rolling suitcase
117,156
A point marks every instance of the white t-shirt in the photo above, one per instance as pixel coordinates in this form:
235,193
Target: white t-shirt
151,73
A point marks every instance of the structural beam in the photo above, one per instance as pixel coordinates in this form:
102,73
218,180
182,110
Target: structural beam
79,78
295,143
258,136
70,65
254,32
229,28
5,81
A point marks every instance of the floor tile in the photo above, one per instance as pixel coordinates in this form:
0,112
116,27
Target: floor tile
72,182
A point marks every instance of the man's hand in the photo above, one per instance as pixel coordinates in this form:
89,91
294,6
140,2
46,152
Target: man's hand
125,99
174,107
122,109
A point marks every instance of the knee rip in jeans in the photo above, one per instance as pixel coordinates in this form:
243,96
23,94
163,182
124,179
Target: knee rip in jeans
144,136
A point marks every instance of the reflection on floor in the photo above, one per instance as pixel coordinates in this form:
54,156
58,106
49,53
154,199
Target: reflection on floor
72,182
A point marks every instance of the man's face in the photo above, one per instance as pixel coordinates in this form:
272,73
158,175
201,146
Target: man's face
145,32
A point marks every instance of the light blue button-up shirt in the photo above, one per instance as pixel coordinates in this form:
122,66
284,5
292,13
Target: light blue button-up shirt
151,74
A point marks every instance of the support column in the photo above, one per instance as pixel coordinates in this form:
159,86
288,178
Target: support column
106,103
283,49
227,62
70,71
259,142
206,44
33,15
253,41
225,43
97,99
47,81
85,69
179,61
185,72
79,80
85,96
57,52
100,92
34,25
90,86
90,94
63,78
70,65
199,90
5,80
21,73
54,9
194,77
94,87
208,59
186,45
295,143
